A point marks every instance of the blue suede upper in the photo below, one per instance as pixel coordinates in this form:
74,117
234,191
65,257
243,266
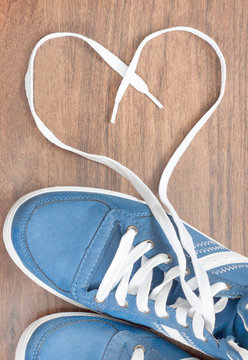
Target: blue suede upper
95,338
68,239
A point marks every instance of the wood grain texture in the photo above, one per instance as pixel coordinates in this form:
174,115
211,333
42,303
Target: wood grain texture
74,95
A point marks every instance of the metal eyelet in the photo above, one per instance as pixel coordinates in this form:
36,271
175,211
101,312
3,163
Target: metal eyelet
150,242
228,287
165,317
246,306
186,326
98,301
170,259
187,272
139,347
125,305
132,227
205,340
146,312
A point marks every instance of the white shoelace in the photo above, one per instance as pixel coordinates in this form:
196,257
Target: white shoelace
119,273
202,304
138,353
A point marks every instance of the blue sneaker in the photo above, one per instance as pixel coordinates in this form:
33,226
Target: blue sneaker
84,245
84,336
131,259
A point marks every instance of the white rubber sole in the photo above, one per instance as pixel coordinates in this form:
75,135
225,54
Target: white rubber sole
27,334
8,226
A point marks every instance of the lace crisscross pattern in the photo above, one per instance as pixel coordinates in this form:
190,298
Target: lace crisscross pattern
119,273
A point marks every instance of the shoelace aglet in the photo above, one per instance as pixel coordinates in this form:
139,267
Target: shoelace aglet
114,113
156,102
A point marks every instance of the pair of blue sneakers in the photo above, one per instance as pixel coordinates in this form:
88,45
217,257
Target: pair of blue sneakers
127,258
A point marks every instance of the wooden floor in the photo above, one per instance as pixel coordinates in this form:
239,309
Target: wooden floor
74,95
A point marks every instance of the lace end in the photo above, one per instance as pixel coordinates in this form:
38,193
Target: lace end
156,102
114,113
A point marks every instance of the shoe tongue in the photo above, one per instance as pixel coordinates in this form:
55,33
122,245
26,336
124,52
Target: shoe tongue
107,258
124,342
